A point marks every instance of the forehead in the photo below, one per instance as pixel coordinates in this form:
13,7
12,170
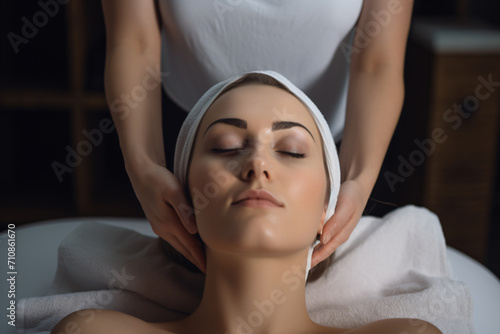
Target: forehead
260,105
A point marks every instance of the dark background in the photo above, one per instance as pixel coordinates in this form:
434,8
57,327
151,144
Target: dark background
33,134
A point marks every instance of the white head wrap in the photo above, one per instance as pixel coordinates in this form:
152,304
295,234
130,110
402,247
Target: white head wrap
185,140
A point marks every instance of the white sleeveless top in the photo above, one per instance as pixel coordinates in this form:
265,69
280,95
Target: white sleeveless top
205,42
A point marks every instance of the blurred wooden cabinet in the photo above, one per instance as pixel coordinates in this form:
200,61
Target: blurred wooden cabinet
60,154
443,154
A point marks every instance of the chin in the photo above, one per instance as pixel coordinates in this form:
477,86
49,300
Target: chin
258,242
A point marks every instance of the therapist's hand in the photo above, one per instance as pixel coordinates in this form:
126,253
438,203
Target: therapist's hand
351,202
162,200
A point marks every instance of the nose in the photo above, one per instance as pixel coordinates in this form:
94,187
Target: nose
257,166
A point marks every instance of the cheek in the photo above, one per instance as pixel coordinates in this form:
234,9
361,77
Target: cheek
204,183
209,181
308,184
307,199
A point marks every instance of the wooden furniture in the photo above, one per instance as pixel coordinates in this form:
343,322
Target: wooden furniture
51,92
443,153
53,108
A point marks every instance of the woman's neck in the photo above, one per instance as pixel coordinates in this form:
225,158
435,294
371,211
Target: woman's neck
252,294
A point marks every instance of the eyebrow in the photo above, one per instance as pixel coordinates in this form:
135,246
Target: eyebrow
242,124
237,122
282,125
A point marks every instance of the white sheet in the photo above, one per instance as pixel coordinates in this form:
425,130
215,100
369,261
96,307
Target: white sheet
37,260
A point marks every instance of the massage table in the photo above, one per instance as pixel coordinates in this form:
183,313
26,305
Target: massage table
36,263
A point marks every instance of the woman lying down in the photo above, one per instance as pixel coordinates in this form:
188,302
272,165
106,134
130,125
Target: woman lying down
278,180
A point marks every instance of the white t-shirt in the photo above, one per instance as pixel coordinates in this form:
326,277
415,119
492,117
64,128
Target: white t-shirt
205,42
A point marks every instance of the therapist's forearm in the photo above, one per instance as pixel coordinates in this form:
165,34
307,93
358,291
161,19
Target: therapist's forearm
374,104
133,92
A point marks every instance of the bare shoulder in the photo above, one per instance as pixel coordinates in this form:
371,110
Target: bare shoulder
96,321
396,326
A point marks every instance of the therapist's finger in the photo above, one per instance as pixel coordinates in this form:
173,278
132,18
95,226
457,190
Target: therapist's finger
344,214
190,244
190,251
322,251
174,232
187,245
183,210
194,248
331,231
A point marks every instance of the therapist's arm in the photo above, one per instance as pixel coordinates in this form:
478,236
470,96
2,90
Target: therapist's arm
375,99
132,55
133,92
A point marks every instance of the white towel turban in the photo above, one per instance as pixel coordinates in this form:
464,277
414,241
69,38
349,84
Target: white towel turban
185,140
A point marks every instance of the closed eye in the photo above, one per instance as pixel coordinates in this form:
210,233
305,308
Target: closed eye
237,149
226,150
293,154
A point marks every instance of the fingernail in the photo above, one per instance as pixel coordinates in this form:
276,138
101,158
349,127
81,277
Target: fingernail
326,238
191,227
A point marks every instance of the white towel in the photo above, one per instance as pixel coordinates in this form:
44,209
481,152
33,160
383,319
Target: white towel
393,266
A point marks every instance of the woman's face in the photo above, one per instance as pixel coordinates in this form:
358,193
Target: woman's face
263,138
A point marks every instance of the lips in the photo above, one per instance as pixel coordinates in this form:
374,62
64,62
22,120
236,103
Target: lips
256,196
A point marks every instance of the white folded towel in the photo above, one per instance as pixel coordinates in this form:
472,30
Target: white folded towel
391,267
